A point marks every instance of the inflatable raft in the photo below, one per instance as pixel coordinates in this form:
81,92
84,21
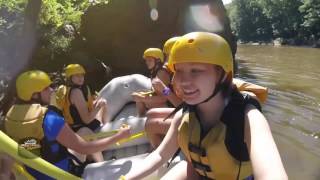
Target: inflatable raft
122,156
119,157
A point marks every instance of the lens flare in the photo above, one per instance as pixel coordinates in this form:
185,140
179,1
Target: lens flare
200,17
154,14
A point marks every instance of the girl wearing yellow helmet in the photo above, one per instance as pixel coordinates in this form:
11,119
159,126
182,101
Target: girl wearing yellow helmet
221,132
155,127
156,97
162,97
83,114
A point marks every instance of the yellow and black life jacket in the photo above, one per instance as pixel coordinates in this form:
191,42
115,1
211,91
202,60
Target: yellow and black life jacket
70,113
260,91
24,124
222,152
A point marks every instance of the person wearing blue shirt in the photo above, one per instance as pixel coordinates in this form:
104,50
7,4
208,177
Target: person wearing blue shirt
34,94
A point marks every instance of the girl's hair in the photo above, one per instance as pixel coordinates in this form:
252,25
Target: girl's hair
226,85
157,66
69,81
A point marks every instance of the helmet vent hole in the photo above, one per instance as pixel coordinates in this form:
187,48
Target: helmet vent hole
190,41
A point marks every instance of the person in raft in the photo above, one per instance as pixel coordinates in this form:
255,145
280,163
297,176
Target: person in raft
155,126
154,98
82,112
159,119
221,132
32,120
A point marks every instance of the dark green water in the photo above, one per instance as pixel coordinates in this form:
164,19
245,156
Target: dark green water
292,75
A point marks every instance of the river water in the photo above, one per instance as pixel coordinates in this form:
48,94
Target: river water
292,75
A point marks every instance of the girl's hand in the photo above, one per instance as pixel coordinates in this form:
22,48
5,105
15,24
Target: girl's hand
158,85
137,96
100,103
124,131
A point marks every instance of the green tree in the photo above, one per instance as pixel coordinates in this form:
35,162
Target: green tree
25,43
311,17
26,25
248,21
54,16
284,16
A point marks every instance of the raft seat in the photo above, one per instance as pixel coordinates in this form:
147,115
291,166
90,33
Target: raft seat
126,151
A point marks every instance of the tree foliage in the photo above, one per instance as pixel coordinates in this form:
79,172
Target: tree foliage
58,18
311,17
295,20
248,21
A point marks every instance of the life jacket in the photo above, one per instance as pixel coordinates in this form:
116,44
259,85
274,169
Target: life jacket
64,102
260,91
222,152
24,124
244,87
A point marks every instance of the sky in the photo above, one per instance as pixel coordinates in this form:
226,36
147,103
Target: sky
226,1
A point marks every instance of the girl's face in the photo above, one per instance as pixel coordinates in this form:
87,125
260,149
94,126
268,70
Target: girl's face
150,62
195,81
46,95
78,79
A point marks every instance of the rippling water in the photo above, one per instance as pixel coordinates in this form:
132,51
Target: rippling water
292,75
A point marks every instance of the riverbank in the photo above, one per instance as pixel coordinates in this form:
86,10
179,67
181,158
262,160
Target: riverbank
284,42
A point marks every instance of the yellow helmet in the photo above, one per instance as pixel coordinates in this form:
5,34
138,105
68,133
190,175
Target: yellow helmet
31,82
73,69
169,44
202,47
153,52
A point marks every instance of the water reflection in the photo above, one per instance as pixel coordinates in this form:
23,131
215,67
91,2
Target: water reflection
293,105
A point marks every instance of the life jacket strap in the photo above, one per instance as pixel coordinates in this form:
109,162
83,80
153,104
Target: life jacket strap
200,166
197,150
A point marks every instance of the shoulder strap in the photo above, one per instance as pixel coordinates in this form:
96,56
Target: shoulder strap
55,109
250,100
233,118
